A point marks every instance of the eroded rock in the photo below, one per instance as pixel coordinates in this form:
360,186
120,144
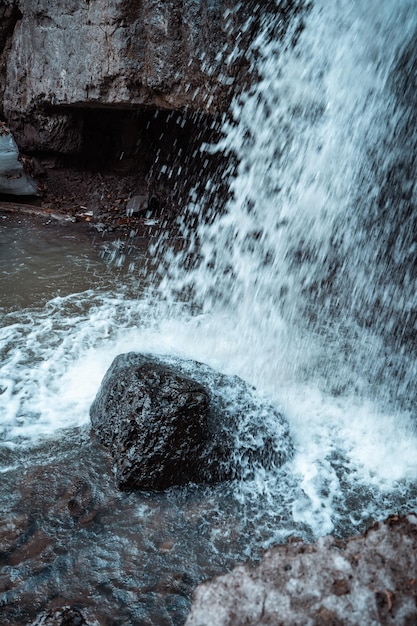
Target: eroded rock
371,579
166,54
170,422
13,178
123,54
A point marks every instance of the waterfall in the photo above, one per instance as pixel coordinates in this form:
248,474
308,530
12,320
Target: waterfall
317,244
306,280
302,282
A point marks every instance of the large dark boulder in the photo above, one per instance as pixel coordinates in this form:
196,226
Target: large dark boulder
154,421
170,422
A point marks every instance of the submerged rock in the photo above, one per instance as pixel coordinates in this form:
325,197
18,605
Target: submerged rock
370,579
170,422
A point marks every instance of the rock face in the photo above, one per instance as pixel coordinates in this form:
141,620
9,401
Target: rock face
67,55
13,178
126,52
58,57
170,422
372,579
128,92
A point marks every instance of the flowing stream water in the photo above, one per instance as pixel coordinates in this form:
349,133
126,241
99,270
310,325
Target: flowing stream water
305,288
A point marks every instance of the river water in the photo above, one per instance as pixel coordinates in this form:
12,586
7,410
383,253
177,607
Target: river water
305,288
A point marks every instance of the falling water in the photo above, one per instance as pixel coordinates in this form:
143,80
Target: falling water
308,280
304,286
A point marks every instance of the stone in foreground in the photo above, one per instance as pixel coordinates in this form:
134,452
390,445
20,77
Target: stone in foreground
170,422
369,580
154,420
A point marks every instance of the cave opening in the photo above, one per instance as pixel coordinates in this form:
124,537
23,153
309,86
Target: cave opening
121,154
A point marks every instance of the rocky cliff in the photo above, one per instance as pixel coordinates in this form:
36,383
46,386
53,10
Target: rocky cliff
115,98
60,57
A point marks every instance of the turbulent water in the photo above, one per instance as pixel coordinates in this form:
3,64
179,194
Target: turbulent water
306,288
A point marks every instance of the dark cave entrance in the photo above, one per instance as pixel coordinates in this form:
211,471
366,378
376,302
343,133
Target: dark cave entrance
123,153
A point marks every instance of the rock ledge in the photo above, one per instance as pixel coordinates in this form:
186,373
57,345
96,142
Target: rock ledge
368,580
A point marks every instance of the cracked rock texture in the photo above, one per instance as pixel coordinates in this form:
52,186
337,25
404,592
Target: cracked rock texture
368,580
116,98
177,54
170,421
122,52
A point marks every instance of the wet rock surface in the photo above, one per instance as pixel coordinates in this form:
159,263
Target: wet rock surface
13,178
166,428
65,616
154,421
370,579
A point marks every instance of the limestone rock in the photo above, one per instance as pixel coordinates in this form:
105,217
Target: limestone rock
128,52
170,422
371,579
60,59
13,178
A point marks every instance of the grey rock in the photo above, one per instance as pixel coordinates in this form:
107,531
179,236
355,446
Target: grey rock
170,422
136,205
13,178
168,54
9,15
55,131
369,580
61,59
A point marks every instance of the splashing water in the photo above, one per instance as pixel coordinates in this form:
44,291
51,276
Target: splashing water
306,284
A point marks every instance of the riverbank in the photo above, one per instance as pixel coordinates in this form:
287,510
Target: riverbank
99,226
92,198
95,206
